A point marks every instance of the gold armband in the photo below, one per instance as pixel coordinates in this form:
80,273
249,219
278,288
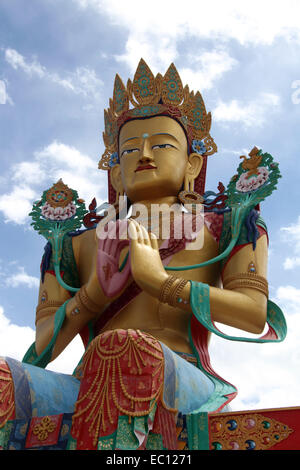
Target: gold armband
83,303
247,280
171,290
46,308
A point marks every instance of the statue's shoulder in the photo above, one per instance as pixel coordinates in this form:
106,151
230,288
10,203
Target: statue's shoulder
81,240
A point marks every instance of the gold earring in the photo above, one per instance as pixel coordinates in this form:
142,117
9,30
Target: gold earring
190,197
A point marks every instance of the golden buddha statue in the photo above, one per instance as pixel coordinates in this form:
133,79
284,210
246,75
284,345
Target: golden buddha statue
145,315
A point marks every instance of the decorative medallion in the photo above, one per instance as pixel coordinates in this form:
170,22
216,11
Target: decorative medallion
44,428
250,431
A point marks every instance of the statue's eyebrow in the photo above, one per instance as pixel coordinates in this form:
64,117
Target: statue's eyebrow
130,138
159,133
165,133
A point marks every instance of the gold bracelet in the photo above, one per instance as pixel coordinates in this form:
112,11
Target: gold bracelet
175,292
165,288
84,303
171,294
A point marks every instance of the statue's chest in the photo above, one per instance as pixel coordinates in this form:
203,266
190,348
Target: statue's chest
201,250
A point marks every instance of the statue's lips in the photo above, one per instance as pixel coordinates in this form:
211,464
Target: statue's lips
145,167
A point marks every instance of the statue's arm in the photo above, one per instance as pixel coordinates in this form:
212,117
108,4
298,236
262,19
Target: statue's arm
82,308
240,307
243,307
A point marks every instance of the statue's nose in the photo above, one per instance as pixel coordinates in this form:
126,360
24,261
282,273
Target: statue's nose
146,151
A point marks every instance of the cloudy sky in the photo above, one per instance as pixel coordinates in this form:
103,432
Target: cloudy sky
58,59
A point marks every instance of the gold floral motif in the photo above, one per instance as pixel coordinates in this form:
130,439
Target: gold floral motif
44,428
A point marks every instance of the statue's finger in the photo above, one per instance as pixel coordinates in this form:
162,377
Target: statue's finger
153,240
145,235
132,231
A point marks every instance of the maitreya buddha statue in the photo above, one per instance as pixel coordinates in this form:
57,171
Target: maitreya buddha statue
145,303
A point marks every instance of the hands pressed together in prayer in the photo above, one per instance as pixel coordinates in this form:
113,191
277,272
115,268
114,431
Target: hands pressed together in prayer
143,263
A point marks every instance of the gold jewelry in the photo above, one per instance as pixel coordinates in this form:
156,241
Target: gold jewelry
175,292
171,294
139,349
44,296
180,287
84,303
190,197
247,280
45,312
153,96
49,304
251,268
165,288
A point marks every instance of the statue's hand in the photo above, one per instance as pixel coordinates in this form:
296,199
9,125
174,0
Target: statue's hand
110,245
146,266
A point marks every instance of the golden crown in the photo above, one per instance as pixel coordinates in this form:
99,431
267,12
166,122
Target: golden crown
152,96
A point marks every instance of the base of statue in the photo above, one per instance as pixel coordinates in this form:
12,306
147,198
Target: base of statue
268,429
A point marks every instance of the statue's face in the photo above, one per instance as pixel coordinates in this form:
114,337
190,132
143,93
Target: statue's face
153,158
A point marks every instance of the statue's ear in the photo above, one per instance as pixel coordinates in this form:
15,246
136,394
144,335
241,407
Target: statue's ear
193,168
116,179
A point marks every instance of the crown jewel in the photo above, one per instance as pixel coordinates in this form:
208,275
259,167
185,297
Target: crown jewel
152,96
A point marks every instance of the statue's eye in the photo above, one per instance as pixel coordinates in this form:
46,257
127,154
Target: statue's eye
162,146
128,151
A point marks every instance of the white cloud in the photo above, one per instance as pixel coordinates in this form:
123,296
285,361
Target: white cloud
248,21
16,60
69,358
3,96
28,172
22,278
265,374
57,160
155,30
291,235
83,81
158,51
17,204
15,341
253,113
207,67
290,263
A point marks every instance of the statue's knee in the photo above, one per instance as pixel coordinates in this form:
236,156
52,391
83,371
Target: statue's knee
131,351
7,399
126,367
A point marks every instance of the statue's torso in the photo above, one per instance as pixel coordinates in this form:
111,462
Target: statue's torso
146,313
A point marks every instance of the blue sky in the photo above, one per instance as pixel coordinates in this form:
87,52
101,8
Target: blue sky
58,60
